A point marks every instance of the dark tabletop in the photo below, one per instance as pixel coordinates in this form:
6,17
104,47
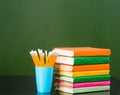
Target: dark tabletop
25,85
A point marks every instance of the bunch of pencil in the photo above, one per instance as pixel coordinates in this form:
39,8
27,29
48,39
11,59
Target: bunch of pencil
43,59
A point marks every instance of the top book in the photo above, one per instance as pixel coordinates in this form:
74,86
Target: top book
82,51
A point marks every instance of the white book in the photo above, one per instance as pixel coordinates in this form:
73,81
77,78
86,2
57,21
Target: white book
82,89
92,93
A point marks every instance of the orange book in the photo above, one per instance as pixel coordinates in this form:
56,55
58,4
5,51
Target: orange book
94,67
82,51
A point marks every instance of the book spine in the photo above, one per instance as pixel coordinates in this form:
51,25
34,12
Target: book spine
90,84
91,60
91,78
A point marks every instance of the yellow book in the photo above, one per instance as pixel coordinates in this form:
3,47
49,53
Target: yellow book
84,73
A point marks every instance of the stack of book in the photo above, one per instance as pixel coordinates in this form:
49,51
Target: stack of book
82,69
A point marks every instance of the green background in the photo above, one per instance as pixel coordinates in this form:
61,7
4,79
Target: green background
33,24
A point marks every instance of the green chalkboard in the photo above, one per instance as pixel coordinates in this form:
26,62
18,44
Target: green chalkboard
33,24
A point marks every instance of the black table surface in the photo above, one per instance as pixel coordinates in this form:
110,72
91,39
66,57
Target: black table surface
25,85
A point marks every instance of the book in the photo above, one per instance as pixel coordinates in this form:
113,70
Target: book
83,84
91,93
83,73
93,67
83,60
83,89
82,51
83,78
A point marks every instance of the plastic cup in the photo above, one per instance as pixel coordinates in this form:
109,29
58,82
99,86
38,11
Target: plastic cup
43,94
44,78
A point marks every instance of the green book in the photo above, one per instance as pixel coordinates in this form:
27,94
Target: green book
83,60
83,78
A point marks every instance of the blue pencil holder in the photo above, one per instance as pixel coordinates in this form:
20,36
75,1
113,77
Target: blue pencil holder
43,94
44,78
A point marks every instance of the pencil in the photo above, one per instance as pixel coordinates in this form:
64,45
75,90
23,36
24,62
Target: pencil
41,57
51,58
35,57
38,57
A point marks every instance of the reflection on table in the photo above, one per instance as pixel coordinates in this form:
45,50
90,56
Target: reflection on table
43,94
91,93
